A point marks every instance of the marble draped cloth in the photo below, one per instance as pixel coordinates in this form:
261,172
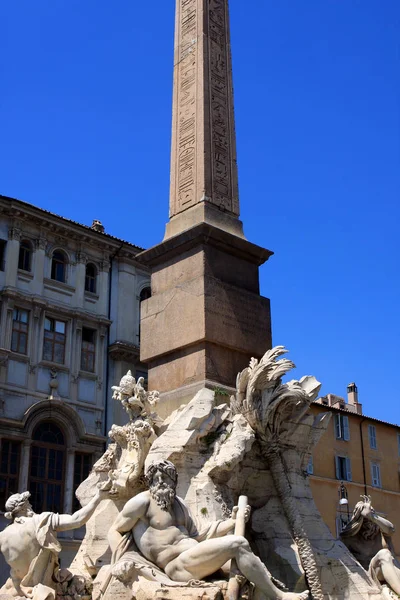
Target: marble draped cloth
127,555
38,583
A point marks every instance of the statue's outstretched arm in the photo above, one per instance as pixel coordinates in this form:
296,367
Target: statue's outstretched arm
81,516
368,512
133,510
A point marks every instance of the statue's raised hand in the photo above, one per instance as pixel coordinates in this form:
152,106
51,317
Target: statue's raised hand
247,513
368,510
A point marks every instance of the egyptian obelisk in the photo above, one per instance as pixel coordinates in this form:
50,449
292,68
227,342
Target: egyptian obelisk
206,317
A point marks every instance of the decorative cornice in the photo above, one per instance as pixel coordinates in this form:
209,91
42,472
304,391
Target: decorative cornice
64,228
14,233
81,257
41,244
124,351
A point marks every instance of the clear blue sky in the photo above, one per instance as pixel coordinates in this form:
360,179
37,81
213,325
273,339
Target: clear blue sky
85,123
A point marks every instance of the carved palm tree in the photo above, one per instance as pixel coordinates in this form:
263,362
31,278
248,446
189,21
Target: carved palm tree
274,410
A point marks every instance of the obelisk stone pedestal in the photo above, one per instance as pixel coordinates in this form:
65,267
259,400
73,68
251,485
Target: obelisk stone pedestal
205,319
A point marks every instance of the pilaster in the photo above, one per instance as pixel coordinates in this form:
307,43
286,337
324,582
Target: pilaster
38,274
12,256
69,481
80,274
24,468
102,288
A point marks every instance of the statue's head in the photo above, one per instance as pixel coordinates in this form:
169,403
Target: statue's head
162,479
18,505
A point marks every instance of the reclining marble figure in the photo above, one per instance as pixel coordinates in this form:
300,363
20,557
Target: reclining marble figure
367,536
158,524
30,546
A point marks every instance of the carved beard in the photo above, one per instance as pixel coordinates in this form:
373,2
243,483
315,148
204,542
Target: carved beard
163,494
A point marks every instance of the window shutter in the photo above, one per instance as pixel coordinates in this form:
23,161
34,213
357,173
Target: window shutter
337,466
348,468
372,436
376,475
338,427
346,428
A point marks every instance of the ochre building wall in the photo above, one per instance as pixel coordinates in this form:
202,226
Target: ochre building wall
325,485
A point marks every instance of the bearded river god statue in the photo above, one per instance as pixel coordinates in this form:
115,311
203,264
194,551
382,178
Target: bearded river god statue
30,547
156,537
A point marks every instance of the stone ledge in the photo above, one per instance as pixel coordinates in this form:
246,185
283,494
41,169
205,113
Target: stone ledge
199,235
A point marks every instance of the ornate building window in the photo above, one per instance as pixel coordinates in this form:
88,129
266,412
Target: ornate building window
25,256
88,351
342,428
47,468
343,468
10,454
19,338
91,278
376,474
82,468
54,340
59,266
372,437
145,294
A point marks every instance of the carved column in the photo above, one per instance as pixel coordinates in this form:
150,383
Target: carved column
76,352
102,287
34,343
69,481
80,273
3,321
12,256
40,258
25,462
8,324
101,358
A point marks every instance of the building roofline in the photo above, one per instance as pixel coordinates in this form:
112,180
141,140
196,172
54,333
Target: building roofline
350,412
87,228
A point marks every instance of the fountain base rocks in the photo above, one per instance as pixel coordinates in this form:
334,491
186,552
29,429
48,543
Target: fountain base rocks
160,504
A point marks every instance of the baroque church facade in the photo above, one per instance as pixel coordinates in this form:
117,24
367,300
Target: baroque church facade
69,329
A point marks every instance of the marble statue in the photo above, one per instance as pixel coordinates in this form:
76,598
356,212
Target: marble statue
134,398
367,535
30,547
276,411
155,535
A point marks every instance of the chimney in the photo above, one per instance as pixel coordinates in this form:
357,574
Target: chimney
97,226
352,397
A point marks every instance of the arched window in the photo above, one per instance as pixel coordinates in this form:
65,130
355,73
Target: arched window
91,278
25,256
47,468
59,266
144,295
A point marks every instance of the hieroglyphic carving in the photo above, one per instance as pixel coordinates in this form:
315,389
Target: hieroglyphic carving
203,109
187,104
221,108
